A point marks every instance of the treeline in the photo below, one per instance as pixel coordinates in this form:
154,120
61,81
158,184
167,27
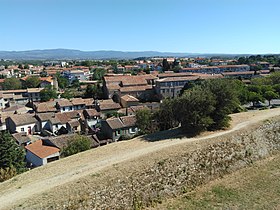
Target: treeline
206,105
272,59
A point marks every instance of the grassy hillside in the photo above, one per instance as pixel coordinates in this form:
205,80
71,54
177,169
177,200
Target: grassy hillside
256,187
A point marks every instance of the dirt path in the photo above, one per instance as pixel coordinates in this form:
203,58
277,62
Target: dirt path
42,179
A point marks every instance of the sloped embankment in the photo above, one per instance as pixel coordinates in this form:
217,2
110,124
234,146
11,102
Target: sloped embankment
167,173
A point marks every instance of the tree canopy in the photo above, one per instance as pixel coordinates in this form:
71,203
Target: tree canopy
78,144
12,84
11,155
47,94
32,82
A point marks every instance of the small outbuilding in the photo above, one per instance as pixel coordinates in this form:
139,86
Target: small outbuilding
38,154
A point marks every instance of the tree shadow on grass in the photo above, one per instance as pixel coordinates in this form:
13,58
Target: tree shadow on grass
176,133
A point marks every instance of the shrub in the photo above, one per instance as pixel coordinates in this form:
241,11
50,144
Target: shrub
7,173
76,145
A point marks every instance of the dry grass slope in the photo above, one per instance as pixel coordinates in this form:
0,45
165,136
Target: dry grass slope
114,171
255,187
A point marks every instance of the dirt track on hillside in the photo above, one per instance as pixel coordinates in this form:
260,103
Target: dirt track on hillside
26,186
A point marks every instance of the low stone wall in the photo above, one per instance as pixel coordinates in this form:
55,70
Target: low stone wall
136,188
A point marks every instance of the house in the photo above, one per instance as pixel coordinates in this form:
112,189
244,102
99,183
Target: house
170,87
22,138
73,74
120,85
264,65
107,106
216,69
64,105
240,75
34,94
128,100
2,101
22,123
69,117
45,107
48,81
48,122
73,126
78,103
38,154
18,109
91,120
122,127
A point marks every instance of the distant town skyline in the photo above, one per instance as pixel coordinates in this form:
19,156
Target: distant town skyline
187,26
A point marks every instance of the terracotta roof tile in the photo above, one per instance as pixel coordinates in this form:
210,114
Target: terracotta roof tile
67,116
108,105
41,150
129,98
64,103
23,119
128,121
115,123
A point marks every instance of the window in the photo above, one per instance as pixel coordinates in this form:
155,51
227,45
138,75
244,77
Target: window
63,108
22,129
132,130
117,133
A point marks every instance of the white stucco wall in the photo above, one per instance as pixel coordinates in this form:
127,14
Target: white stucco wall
45,160
25,127
54,128
2,103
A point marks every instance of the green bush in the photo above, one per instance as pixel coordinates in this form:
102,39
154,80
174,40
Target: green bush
76,145
7,173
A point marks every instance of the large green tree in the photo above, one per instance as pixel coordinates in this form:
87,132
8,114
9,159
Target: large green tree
98,73
269,95
32,82
47,94
144,120
67,94
93,91
12,84
165,116
62,81
11,155
226,93
194,108
255,97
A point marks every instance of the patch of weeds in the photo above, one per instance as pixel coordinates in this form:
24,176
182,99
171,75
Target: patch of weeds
161,162
223,193
96,175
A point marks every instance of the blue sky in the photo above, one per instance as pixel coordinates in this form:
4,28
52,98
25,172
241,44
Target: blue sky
198,26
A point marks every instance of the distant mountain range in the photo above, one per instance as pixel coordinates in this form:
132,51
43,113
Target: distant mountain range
66,54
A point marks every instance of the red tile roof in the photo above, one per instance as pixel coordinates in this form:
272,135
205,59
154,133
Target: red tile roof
41,150
129,98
